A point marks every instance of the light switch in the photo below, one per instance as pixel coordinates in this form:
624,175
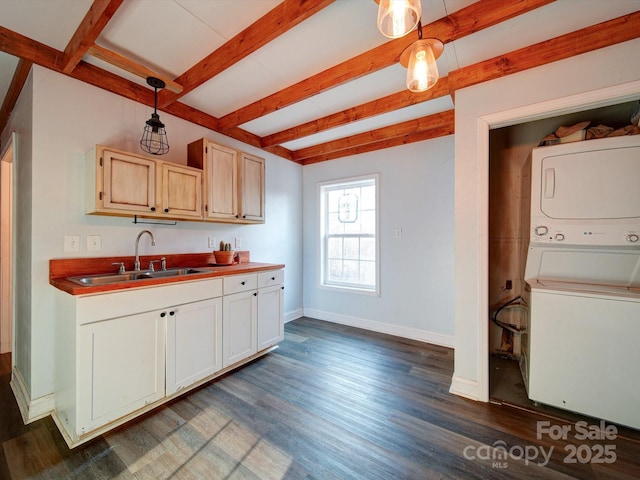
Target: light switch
94,243
72,243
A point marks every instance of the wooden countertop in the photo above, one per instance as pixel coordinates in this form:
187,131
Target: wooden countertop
61,269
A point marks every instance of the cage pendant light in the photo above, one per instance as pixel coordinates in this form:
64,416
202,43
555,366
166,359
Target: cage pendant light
154,137
396,18
420,60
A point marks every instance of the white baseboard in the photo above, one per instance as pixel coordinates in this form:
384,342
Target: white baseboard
388,328
289,316
464,387
30,409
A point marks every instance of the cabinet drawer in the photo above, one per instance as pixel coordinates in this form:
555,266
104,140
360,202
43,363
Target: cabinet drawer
239,283
272,277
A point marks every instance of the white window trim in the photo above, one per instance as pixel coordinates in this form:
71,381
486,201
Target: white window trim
321,221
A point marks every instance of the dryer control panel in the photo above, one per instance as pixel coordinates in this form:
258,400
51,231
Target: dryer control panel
594,235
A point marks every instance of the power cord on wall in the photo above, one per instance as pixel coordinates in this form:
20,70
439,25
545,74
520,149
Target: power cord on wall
521,302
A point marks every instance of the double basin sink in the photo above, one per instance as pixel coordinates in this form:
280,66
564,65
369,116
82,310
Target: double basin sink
108,278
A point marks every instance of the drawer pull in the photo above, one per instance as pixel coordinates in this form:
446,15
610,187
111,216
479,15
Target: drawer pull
163,314
242,283
273,278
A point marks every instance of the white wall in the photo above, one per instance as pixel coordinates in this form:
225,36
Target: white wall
69,118
416,195
603,77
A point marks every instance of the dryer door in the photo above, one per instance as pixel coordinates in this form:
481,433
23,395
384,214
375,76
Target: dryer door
591,185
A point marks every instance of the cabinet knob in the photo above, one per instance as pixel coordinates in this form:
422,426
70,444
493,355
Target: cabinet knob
163,314
166,210
282,288
153,209
237,216
172,313
255,294
242,283
273,278
244,216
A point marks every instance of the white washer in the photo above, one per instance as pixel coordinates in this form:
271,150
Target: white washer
583,353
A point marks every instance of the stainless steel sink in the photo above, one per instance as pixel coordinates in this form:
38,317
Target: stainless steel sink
108,278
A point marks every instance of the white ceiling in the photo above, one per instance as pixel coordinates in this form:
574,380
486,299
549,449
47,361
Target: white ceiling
170,36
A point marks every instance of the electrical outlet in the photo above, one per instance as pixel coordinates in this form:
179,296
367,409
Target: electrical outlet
238,242
72,243
94,243
212,242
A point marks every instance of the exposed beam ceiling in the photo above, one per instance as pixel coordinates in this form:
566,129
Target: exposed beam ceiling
275,24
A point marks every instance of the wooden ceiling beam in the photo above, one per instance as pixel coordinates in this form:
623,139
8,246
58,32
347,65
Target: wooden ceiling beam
617,30
130,66
420,136
28,49
282,18
88,31
442,119
466,21
17,82
379,106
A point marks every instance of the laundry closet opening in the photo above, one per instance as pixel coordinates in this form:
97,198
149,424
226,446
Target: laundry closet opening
509,230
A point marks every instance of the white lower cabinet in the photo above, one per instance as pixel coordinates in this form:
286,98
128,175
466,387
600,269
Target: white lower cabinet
239,326
270,316
253,306
122,368
122,353
270,308
194,343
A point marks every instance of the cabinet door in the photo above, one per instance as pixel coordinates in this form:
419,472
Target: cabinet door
252,188
222,183
194,343
270,316
121,365
181,191
239,326
128,183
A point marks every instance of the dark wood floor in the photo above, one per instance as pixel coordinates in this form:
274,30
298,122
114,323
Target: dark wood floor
332,402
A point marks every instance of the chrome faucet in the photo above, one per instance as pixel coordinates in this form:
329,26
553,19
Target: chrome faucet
136,265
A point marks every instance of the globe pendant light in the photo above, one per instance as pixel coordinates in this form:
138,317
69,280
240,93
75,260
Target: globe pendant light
154,137
396,18
420,60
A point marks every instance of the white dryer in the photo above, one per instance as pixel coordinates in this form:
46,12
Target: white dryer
583,268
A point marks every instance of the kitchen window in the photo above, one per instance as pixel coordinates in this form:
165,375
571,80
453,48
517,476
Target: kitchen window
349,229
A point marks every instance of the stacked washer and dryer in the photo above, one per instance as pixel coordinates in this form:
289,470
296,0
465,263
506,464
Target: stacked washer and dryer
581,349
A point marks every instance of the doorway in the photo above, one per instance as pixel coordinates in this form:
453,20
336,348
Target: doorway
6,246
509,194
